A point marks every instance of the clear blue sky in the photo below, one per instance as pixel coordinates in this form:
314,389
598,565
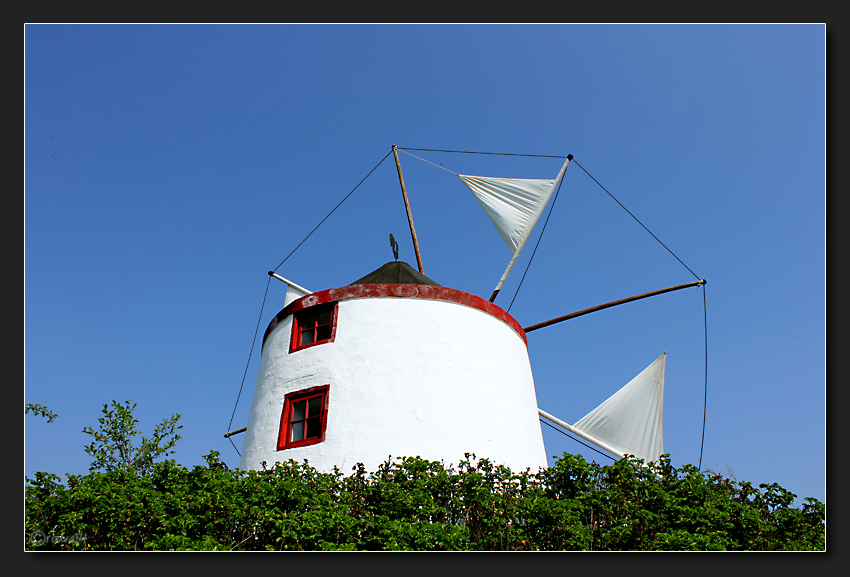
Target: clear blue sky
168,168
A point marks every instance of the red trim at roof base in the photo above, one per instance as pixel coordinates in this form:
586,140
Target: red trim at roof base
396,290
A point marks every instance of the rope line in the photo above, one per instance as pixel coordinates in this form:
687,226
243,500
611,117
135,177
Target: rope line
245,410
265,295
705,313
579,442
331,212
538,241
552,206
428,161
705,385
682,319
473,152
705,389
253,342
636,220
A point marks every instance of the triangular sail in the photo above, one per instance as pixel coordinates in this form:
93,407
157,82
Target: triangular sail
294,293
514,205
630,421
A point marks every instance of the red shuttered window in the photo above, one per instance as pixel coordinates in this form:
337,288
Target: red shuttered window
313,326
304,418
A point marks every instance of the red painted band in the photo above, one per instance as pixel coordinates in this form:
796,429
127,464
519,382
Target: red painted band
419,291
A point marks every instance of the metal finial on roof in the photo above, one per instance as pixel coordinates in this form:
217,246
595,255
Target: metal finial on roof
394,246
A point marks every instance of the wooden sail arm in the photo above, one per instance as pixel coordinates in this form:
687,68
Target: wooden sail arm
409,214
289,282
612,304
589,438
580,433
236,432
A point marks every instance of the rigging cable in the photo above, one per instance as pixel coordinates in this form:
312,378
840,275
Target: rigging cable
428,161
265,295
705,313
542,230
636,220
682,319
577,441
552,206
705,385
472,152
331,212
554,156
705,389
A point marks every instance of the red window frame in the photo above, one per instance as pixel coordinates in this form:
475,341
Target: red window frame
313,325
311,416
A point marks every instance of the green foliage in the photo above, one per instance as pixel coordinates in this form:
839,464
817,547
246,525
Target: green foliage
415,504
40,410
113,445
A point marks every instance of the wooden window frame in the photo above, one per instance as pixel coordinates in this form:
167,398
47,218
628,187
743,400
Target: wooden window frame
298,322
289,400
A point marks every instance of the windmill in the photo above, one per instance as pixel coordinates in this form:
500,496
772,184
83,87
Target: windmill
396,364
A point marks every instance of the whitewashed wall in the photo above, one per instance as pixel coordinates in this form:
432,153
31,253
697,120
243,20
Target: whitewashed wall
408,377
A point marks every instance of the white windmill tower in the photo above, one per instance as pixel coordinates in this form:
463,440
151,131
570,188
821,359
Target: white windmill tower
393,364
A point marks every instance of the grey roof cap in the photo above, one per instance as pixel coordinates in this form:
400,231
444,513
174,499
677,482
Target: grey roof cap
396,273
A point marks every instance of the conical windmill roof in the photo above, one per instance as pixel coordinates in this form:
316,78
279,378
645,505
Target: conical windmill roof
396,272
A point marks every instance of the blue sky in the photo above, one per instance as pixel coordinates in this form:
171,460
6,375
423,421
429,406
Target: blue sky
168,168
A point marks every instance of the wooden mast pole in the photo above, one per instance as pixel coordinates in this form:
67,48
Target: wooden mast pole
231,433
612,304
409,215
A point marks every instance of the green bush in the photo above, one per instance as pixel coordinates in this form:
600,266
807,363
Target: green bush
415,504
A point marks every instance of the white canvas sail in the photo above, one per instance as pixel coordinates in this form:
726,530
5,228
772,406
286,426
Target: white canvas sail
294,292
514,206
630,421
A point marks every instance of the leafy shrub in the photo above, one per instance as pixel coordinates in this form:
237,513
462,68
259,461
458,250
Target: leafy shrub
115,443
415,504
